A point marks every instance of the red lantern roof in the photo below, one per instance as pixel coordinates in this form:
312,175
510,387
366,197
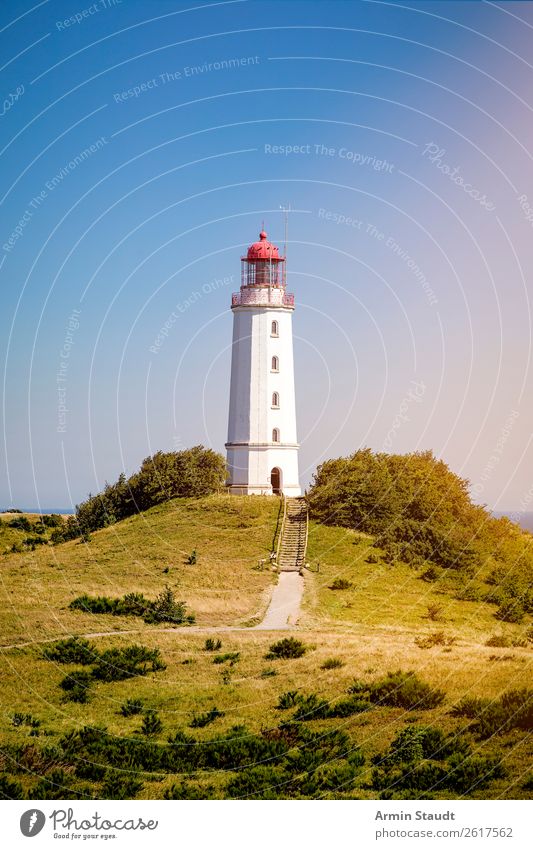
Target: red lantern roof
263,249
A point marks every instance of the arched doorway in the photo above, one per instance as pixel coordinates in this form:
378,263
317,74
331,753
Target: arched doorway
275,480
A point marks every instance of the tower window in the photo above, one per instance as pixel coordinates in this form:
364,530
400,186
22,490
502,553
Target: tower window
275,434
274,329
275,364
275,399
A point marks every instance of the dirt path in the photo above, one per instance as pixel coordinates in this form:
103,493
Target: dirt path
282,613
284,608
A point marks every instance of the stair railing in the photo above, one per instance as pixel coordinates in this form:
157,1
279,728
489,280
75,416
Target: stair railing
280,537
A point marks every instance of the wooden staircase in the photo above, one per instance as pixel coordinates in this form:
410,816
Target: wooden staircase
293,536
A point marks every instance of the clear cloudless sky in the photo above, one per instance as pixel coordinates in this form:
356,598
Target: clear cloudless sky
143,143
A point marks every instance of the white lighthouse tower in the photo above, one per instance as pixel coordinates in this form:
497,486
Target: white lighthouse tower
262,445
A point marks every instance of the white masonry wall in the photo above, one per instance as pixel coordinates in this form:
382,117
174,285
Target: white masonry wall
252,453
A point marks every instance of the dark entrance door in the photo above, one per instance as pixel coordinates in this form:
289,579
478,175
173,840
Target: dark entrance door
275,480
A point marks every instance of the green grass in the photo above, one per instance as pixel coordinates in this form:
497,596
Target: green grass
387,595
370,629
230,535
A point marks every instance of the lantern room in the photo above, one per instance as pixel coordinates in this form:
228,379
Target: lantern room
262,265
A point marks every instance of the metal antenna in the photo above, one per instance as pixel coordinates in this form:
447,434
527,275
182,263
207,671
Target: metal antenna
286,210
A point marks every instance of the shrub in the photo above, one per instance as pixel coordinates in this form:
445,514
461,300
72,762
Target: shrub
510,610
288,700
166,609
472,773
513,709
57,785
432,573
188,790
372,558
151,724
206,718
231,656
194,472
258,782
192,558
131,707
89,771
10,789
286,649
332,663
120,786
399,689
347,707
117,664
76,686
212,645
435,613
341,584
499,641
469,706
439,638
71,650
98,604
311,707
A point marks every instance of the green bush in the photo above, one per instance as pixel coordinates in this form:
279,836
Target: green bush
348,707
332,663
288,700
118,664
212,645
399,689
131,707
311,707
286,649
341,584
194,472
58,785
76,686
71,650
510,610
164,608
10,789
258,782
151,725
188,790
118,785
206,718
231,656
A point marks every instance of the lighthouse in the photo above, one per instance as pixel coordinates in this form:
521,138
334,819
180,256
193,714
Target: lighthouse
262,447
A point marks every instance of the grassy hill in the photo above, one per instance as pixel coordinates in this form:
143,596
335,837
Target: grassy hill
385,619
143,554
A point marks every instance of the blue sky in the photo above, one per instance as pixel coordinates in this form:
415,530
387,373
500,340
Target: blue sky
145,142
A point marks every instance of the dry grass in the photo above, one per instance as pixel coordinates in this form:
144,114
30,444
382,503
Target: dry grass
371,628
143,554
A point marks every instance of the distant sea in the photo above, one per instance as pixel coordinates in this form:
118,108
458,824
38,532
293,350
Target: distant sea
525,520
